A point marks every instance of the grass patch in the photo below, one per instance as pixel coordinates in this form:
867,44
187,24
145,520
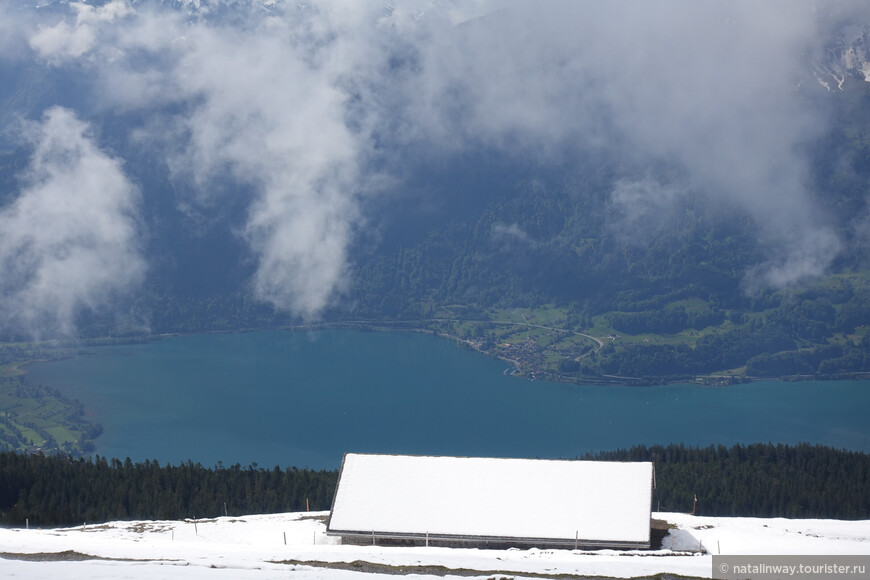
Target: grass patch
546,315
36,416
62,434
11,370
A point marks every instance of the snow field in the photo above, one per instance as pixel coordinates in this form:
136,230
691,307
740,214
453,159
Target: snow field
246,547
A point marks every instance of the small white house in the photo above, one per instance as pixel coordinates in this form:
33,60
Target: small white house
473,501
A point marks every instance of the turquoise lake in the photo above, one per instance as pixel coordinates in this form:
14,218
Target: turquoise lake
305,398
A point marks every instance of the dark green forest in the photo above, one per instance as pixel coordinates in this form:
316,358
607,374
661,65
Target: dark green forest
58,490
761,480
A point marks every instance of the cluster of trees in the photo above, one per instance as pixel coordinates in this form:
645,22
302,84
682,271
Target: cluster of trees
832,359
788,339
57,490
759,480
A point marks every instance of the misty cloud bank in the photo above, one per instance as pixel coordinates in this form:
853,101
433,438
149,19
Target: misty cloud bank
70,240
296,105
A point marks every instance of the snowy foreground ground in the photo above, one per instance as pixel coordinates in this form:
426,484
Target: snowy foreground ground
254,547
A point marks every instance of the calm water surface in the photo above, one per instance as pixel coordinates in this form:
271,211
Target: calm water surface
305,398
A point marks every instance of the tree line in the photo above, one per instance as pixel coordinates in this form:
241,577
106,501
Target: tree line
759,480
58,490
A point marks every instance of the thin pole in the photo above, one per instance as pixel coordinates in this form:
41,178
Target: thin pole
285,538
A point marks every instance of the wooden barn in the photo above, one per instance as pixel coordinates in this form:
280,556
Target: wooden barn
489,502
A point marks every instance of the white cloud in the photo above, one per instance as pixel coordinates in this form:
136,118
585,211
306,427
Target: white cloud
642,208
810,255
510,232
709,88
68,40
69,241
15,27
270,115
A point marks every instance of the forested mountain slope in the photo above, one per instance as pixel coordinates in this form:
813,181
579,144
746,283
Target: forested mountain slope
677,290
529,182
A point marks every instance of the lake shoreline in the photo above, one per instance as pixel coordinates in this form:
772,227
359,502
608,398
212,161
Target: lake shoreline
516,369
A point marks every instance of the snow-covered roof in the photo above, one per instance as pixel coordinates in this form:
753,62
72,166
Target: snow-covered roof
596,501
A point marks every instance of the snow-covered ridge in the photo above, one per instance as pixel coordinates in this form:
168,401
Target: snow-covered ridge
295,544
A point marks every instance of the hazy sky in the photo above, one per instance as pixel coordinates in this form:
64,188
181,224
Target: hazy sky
296,103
